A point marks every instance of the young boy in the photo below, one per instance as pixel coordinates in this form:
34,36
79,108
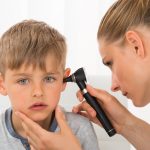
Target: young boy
32,68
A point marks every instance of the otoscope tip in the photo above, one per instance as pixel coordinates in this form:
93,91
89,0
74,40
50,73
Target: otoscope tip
68,79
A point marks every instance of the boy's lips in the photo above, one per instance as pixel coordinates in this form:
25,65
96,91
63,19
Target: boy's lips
38,106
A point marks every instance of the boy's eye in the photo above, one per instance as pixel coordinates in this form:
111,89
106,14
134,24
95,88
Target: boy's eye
49,79
23,81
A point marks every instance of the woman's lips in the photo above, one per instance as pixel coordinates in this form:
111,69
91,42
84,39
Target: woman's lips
38,106
126,94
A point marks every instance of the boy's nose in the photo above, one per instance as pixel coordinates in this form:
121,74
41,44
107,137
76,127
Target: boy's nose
115,84
37,91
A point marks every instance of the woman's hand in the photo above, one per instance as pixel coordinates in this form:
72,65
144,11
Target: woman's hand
135,130
115,111
40,139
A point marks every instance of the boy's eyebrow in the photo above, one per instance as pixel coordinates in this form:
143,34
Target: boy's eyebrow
28,74
21,74
52,73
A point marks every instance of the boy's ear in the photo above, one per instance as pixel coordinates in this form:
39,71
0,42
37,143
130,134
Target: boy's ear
66,74
3,90
134,39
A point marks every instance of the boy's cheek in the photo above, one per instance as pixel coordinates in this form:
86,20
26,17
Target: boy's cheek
18,102
53,104
19,106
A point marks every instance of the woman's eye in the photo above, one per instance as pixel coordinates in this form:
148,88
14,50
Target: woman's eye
23,81
49,79
109,63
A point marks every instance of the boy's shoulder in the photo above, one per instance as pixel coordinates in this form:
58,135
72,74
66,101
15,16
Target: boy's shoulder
83,129
70,116
76,121
2,120
3,129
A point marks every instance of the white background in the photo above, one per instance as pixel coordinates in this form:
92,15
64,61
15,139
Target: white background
78,20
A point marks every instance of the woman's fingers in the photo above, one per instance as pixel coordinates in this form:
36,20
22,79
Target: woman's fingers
36,135
62,123
84,106
100,95
79,96
33,145
32,148
28,124
93,119
109,103
42,139
30,135
60,117
33,130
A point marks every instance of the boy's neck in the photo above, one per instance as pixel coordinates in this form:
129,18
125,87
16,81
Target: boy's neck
17,124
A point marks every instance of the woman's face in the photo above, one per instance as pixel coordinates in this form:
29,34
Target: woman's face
129,71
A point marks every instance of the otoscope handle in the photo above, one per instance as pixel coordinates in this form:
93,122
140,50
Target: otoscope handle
100,114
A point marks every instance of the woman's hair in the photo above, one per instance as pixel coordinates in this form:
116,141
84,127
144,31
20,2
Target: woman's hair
29,42
122,16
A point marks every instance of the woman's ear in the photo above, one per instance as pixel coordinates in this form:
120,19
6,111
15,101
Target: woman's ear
3,90
135,41
66,74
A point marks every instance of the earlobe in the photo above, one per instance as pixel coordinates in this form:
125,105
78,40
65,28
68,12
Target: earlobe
135,41
2,86
66,74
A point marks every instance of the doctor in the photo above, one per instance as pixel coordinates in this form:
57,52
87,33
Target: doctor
124,45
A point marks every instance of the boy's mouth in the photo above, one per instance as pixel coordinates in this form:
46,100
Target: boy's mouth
38,106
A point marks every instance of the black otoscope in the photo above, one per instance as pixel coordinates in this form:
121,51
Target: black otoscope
80,78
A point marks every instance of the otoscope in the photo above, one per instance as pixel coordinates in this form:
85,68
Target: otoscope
80,78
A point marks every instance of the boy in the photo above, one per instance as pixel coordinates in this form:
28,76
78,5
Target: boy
32,67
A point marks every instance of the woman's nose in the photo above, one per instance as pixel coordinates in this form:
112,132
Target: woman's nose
115,84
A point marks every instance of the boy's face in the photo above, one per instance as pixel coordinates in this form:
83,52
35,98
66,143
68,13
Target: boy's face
33,91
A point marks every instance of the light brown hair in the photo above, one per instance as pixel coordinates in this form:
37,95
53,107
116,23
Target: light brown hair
29,42
121,17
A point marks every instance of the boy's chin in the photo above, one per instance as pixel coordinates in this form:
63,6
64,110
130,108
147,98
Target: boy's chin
40,118
44,122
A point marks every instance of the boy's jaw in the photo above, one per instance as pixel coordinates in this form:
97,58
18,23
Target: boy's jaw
44,123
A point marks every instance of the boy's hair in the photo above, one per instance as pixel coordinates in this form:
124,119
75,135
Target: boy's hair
29,42
121,17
